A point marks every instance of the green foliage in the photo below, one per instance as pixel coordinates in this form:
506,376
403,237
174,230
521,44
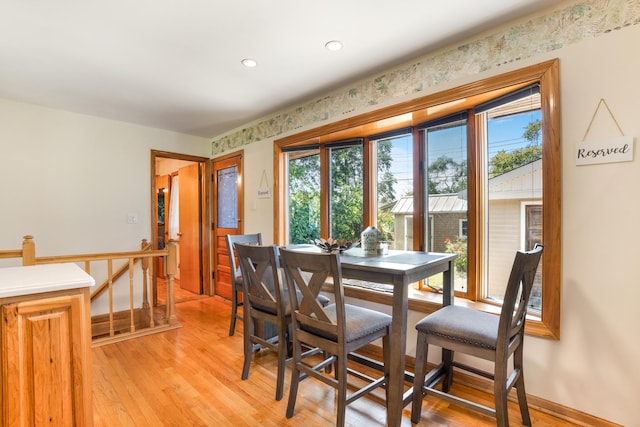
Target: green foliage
386,192
532,132
458,247
504,162
386,224
346,193
304,216
304,199
446,176
386,180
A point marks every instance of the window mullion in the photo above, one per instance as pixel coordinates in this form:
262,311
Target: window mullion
475,190
369,201
420,192
325,185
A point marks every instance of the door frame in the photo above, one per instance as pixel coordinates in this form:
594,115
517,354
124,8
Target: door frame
205,246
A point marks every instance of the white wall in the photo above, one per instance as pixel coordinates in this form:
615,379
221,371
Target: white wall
70,180
258,212
593,367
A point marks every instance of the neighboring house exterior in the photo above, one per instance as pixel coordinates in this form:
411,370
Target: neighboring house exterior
447,220
514,221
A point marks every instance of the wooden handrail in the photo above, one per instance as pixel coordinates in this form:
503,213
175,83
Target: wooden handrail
27,253
17,253
100,257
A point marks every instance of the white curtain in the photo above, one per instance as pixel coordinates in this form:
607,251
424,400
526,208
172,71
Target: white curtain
174,211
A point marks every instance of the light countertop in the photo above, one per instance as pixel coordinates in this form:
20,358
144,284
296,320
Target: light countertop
15,281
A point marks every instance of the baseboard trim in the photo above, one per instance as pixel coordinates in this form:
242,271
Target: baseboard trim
123,337
543,405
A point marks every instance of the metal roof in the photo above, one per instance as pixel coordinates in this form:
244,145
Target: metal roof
438,203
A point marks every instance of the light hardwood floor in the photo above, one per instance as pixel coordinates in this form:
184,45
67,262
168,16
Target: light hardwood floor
191,377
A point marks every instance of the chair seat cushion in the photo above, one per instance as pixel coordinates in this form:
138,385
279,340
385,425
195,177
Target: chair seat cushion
463,325
360,322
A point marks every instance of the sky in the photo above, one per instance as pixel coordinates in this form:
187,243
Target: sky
504,134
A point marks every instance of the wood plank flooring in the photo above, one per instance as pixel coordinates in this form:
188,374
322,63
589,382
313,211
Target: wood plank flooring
191,377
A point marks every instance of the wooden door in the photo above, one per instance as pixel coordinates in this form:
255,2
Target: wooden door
227,217
189,219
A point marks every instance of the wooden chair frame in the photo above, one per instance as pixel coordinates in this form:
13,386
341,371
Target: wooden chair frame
326,328
508,342
236,275
264,301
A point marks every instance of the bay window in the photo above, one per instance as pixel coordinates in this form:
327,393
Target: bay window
473,170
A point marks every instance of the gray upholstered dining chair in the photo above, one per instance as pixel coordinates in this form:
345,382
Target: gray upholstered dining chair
337,329
264,301
236,275
483,335
266,305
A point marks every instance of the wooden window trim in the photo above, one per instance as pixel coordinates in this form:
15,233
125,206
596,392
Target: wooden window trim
465,96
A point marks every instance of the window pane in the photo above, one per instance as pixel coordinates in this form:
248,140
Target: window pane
304,195
447,177
533,235
228,198
394,191
514,184
346,192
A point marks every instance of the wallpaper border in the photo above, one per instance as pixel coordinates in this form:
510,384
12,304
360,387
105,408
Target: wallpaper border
545,33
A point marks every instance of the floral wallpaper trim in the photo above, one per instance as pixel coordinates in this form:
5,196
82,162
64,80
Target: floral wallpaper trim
559,28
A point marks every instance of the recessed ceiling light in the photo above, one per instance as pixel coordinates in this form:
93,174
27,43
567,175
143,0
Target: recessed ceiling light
333,45
249,63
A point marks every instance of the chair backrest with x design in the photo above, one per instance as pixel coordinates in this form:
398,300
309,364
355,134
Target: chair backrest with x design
309,276
260,272
264,302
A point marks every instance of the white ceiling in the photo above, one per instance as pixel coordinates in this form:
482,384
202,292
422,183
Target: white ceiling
175,64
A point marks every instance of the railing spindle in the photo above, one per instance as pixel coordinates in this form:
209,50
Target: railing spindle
149,286
172,267
110,284
131,312
145,267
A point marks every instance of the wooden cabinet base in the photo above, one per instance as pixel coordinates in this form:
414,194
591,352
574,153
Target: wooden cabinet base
45,351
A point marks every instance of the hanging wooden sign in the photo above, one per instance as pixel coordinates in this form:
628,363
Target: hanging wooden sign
611,150
264,192
607,150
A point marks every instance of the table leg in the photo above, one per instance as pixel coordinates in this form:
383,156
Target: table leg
398,343
448,290
448,286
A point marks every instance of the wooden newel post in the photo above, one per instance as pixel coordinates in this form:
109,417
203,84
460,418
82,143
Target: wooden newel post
171,266
28,251
145,274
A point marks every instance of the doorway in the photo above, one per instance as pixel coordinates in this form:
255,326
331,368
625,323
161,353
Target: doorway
179,212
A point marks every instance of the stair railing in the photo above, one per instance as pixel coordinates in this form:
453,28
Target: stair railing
170,321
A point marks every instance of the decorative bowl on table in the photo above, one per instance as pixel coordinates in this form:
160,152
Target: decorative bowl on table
332,245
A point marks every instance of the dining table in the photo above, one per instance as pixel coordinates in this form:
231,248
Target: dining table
399,269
